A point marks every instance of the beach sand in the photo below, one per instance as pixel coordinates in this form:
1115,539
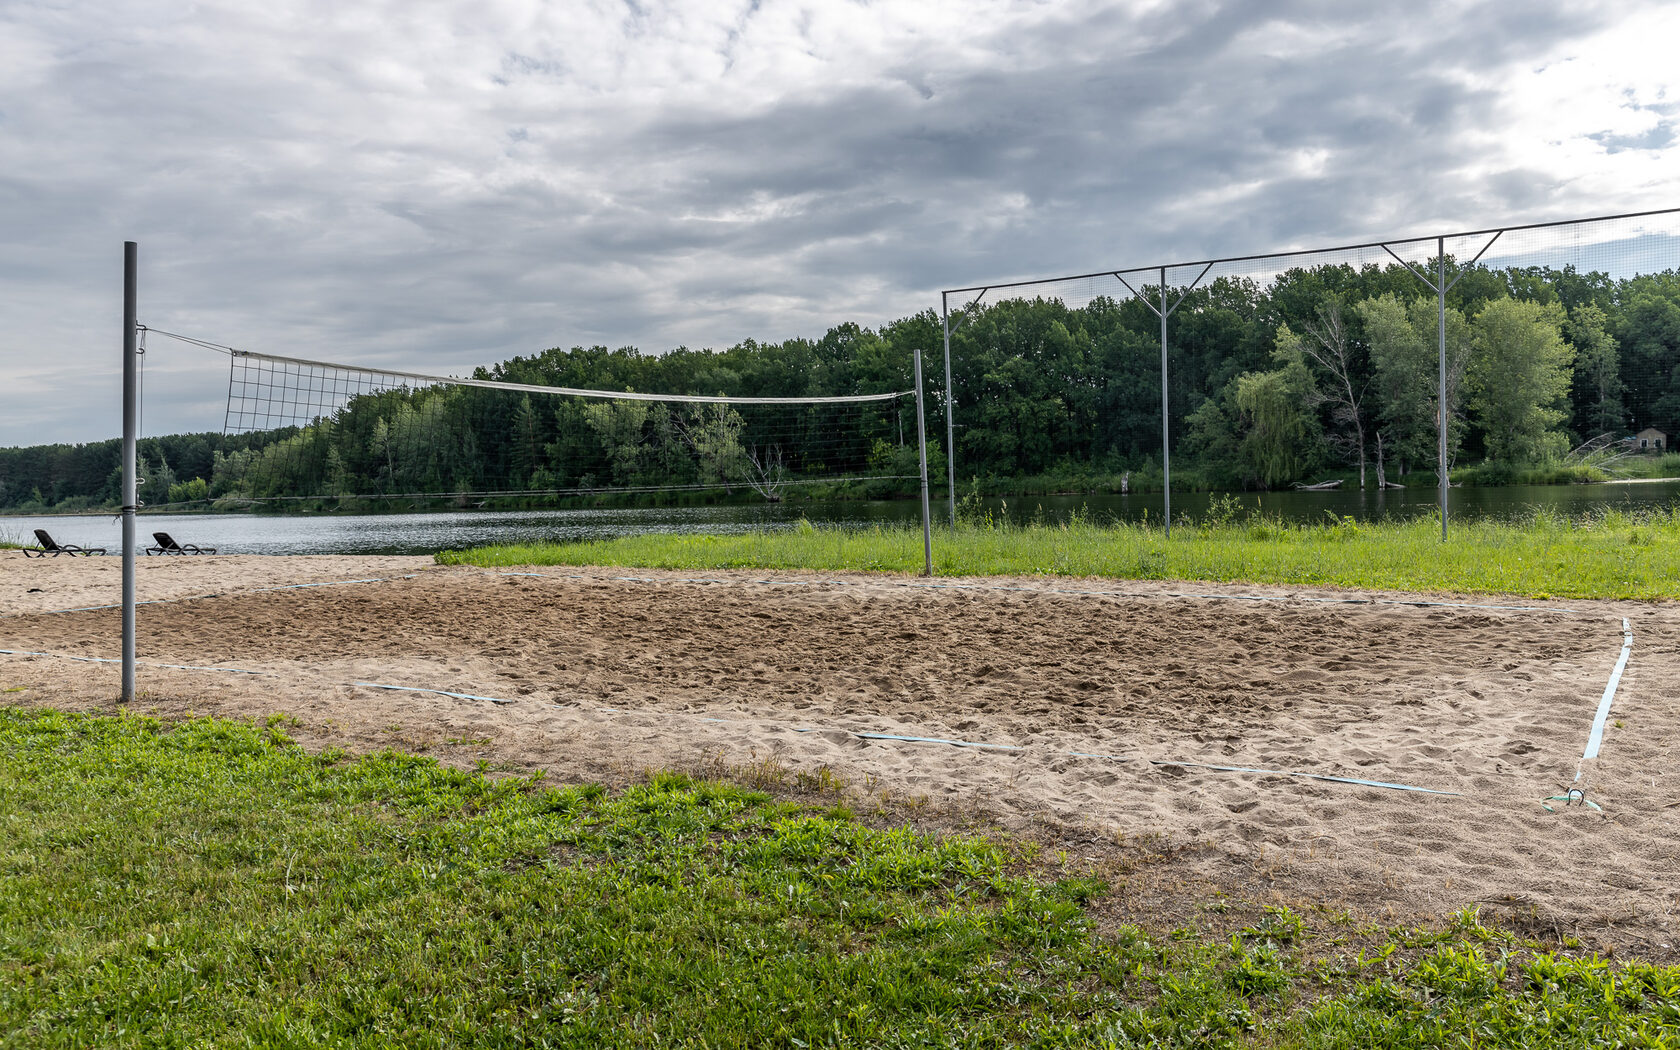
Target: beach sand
1084,691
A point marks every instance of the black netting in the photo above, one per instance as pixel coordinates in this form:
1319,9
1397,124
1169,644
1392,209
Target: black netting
314,431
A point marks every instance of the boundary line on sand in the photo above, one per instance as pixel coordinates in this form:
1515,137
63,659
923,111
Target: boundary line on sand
982,746
858,583
860,734
1595,739
1055,590
219,594
245,671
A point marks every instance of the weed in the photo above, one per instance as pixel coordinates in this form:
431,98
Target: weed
1222,510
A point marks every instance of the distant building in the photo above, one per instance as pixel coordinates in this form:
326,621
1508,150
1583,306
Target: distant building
1651,440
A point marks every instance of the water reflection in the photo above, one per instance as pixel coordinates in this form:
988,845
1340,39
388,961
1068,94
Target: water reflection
429,532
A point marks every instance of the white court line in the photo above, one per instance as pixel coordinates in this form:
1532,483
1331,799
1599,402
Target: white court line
218,594
440,692
142,663
241,670
863,734
1596,738
1056,590
982,746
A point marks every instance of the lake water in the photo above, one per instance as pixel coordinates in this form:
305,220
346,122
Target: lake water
425,533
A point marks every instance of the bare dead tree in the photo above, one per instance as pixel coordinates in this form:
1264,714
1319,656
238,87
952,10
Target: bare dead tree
1606,452
766,473
1326,344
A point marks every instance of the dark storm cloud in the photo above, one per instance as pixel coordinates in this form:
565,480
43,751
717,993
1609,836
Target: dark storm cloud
439,191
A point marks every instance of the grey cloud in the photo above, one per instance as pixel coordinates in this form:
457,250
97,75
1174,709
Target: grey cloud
310,208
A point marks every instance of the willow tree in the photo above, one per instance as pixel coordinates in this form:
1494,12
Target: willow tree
1281,436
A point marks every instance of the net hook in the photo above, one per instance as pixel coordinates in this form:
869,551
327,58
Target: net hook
1572,797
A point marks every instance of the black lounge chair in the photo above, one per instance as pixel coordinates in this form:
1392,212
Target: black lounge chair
166,545
49,546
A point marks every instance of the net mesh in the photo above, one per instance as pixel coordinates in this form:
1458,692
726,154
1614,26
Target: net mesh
327,431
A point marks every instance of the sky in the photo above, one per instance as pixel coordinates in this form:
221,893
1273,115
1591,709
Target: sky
440,185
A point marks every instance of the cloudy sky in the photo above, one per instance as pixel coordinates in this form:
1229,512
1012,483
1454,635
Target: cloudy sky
438,185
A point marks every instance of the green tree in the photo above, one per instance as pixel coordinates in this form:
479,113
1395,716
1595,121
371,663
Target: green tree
1519,380
155,481
1649,333
1281,436
1211,440
526,454
1404,343
1325,341
340,484
713,434
618,425
196,490
1598,377
383,451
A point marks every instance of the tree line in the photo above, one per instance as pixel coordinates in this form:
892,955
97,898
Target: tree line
1328,369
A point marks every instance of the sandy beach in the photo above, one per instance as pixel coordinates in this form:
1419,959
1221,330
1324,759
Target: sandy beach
1087,711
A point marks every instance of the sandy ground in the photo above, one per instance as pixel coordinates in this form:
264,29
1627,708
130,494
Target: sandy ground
1087,689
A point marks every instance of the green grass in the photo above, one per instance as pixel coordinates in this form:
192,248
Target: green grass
1666,465
210,883
1611,556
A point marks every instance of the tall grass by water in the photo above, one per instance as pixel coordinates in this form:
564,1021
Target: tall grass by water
1610,555
212,883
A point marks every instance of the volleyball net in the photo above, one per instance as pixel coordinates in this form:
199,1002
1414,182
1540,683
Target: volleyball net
323,433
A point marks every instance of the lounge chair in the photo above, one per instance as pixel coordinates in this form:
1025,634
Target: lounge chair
49,546
166,545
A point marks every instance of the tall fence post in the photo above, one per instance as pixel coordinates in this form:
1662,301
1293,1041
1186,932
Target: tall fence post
921,443
950,408
1441,329
1166,444
131,426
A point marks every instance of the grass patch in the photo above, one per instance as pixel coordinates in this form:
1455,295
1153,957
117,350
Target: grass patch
1615,555
1666,465
212,883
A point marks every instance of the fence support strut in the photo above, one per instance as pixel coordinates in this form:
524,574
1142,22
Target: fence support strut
950,402
1443,411
1163,312
921,444
1441,402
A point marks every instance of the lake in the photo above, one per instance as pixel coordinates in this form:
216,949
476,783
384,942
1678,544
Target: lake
424,533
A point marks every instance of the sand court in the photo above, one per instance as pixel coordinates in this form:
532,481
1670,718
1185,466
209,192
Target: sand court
1097,705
